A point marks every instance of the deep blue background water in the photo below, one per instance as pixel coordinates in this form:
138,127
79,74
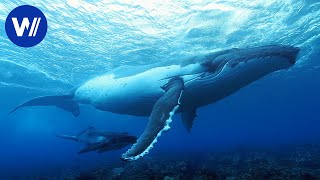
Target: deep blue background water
90,38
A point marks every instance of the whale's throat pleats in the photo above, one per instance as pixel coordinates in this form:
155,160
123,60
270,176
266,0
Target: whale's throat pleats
159,119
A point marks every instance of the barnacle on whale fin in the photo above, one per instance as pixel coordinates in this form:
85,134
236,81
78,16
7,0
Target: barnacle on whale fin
159,120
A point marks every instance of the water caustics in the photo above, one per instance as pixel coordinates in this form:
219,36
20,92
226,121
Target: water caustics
88,38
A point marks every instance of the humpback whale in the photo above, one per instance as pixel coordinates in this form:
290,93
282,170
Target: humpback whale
100,141
163,89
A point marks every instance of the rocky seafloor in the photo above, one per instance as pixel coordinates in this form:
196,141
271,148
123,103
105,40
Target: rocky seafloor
296,162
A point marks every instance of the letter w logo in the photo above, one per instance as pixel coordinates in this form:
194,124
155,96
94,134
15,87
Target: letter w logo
25,25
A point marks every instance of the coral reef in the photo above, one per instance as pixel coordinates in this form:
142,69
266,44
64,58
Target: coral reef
297,162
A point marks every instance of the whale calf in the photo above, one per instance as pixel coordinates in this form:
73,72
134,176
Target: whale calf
163,89
100,141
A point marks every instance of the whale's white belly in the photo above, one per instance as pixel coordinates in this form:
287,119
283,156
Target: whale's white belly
135,94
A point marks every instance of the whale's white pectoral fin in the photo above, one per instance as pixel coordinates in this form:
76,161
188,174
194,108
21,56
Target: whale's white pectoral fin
159,119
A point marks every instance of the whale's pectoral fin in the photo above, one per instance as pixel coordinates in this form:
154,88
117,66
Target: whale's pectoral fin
187,118
74,138
64,102
159,119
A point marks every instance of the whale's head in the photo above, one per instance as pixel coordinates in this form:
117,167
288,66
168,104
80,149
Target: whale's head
249,64
227,71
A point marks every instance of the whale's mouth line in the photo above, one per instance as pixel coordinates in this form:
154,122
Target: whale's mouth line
209,78
234,63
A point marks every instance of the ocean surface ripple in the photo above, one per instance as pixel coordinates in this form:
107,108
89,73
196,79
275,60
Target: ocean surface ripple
89,37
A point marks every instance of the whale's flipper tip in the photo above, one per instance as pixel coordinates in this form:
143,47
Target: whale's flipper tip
159,120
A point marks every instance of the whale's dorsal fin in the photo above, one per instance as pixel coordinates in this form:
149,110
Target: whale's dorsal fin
159,119
187,118
86,131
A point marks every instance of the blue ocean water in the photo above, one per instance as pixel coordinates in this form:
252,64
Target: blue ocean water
87,38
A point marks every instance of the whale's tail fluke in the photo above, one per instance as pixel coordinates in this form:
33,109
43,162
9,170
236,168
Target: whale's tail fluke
64,102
